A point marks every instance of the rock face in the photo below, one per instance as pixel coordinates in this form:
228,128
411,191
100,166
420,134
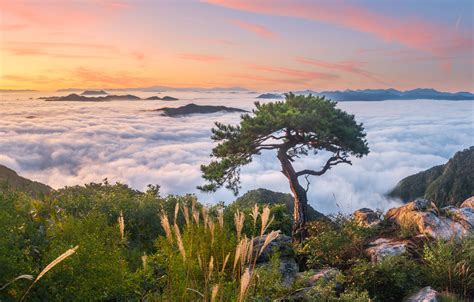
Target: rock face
383,247
426,294
288,266
196,109
447,184
423,216
366,217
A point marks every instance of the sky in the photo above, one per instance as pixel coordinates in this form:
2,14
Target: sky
256,44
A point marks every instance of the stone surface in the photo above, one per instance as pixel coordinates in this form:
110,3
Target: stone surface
383,247
423,216
468,203
366,217
426,294
311,277
465,216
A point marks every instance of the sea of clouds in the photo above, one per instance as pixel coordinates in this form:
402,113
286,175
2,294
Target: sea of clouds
70,143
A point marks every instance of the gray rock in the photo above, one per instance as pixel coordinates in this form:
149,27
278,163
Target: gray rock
366,217
426,294
465,216
311,277
384,247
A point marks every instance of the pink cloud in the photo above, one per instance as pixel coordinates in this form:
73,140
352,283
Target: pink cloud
96,77
410,32
346,66
301,74
257,29
200,57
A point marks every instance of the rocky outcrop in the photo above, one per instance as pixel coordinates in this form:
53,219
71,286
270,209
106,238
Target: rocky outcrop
309,280
366,217
424,217
282,244
448,184
426,294
384,247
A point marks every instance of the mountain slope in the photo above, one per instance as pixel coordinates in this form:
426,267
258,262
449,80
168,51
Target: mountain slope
447,184
264,196
11,179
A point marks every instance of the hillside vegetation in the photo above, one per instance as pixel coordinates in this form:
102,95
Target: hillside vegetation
447,184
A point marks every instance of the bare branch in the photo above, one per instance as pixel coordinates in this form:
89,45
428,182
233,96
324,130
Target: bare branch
332,161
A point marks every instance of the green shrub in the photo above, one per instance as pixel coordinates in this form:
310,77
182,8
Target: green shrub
389,280
336,243
449,266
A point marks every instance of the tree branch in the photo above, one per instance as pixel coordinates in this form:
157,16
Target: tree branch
332,161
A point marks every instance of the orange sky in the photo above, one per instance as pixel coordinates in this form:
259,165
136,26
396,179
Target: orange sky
258,44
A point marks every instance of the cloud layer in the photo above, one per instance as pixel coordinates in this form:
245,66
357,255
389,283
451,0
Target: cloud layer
74,143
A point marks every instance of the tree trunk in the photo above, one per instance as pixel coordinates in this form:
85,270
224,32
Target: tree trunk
300,198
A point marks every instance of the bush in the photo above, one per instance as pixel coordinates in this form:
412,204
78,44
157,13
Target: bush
336,243
449,266
389,280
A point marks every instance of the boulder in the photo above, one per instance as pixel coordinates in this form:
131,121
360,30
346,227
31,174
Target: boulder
311,277
426,294
468,203
383,247
424,217
465,216
366,217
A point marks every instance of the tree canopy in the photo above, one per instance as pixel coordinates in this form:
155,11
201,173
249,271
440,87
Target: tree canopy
296,127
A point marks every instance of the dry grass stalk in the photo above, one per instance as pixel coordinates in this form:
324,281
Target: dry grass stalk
205,216
195,212
238,253
265,219
179,240
269,238
55,262
28,277
255,213
220,217
186,214
225,262
215,290
121,223
244,284
166,225
145,261
200,261
210,268
239,219
176,211
212,228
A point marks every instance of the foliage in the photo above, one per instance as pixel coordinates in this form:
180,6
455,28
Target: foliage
449,265
335,243
448,184
295,127
388,280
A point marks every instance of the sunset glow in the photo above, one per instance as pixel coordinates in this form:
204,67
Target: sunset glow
262,45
